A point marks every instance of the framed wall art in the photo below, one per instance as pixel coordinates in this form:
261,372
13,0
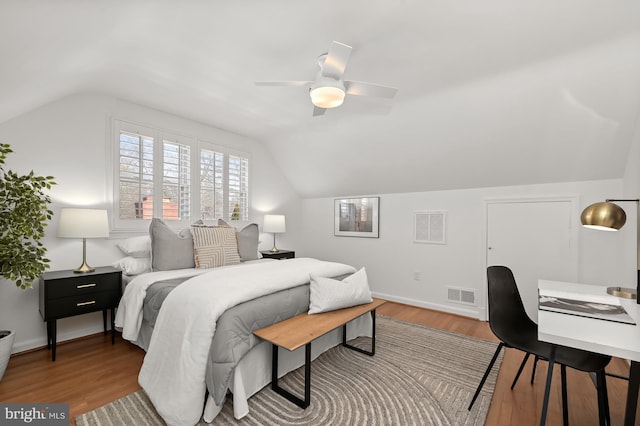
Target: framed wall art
356,217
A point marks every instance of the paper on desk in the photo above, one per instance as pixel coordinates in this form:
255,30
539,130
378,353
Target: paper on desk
595,298
602,307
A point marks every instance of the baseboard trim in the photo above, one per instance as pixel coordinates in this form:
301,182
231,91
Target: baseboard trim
465,312
41,342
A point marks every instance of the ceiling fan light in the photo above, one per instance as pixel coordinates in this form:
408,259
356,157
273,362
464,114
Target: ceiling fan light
327,96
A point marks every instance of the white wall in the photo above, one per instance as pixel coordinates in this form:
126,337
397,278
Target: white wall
67,139
392,259
631,190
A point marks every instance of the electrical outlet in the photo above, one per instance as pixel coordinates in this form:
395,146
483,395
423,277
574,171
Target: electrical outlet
416,275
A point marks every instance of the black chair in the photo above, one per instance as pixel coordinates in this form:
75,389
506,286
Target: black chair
524,362
511,324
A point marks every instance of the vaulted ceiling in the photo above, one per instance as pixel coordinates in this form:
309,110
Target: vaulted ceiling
491,92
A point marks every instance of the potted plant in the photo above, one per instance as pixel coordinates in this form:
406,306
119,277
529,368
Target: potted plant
6,343
24,213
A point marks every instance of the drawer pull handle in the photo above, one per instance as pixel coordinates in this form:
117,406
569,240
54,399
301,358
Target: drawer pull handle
86,285
85,303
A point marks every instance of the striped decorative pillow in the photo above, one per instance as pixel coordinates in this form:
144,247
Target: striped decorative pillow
214,246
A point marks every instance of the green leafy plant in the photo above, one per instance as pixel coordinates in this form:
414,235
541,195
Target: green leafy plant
24,212
235,215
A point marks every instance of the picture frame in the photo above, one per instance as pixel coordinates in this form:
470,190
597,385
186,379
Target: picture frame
356,217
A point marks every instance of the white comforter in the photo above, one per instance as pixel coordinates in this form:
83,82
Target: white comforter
129,314
174,368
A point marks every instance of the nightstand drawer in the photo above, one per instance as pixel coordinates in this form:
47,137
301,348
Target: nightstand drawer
75,305
81,285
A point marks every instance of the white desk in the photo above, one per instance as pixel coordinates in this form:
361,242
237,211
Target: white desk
604,337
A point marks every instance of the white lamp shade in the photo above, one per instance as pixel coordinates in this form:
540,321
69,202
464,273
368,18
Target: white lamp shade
83,223
273,223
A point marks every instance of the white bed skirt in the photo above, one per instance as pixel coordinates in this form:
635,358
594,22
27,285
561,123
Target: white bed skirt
253,372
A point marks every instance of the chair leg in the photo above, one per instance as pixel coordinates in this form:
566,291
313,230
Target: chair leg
535,364
565,404
524,361
632,393
603,399
605,394
486,374
547,388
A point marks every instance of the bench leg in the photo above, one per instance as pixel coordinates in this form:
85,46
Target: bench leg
307,377
373,337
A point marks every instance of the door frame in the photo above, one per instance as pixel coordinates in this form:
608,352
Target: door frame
483,305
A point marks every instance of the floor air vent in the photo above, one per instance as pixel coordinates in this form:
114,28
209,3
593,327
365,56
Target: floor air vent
465,296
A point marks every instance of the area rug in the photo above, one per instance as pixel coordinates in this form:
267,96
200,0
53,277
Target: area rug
418,376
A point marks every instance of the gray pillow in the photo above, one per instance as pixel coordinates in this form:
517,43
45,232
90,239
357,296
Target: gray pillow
247,240
170,250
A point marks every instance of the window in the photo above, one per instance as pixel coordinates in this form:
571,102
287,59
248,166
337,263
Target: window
176,181
211,184
135,174
238,187
177,178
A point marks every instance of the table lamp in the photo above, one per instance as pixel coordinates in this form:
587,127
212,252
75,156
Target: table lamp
608,216
274,223
83,223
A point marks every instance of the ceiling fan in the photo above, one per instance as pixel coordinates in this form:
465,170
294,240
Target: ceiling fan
329,88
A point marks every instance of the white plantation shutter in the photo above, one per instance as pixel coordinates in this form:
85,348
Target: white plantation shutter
176,183
238,188
135,178
211,184
179,179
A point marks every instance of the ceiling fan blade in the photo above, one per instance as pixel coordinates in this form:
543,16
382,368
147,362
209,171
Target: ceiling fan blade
368,106
283,83
360,88
336,60
318,111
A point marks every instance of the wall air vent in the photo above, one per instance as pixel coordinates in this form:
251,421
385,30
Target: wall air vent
465,296
430,227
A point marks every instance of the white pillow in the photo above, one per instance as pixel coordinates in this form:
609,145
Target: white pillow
133,265
136,246
327,294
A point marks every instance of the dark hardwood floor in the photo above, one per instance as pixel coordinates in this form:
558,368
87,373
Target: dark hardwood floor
90,372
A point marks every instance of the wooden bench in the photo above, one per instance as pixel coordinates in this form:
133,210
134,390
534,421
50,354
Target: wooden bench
302,329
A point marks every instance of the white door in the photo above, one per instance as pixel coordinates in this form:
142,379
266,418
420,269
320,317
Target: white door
536,240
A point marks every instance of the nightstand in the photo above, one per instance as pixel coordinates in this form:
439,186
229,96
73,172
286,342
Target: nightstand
66,294
280,254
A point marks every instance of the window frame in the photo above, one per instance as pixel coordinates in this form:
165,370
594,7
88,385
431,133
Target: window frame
129,226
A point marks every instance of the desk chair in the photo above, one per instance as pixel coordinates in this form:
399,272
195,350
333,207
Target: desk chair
511,324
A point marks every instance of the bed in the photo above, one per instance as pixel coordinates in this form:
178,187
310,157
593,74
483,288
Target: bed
197,328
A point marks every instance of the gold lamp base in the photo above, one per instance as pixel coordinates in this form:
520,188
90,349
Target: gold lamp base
625,293
274,249
84,268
